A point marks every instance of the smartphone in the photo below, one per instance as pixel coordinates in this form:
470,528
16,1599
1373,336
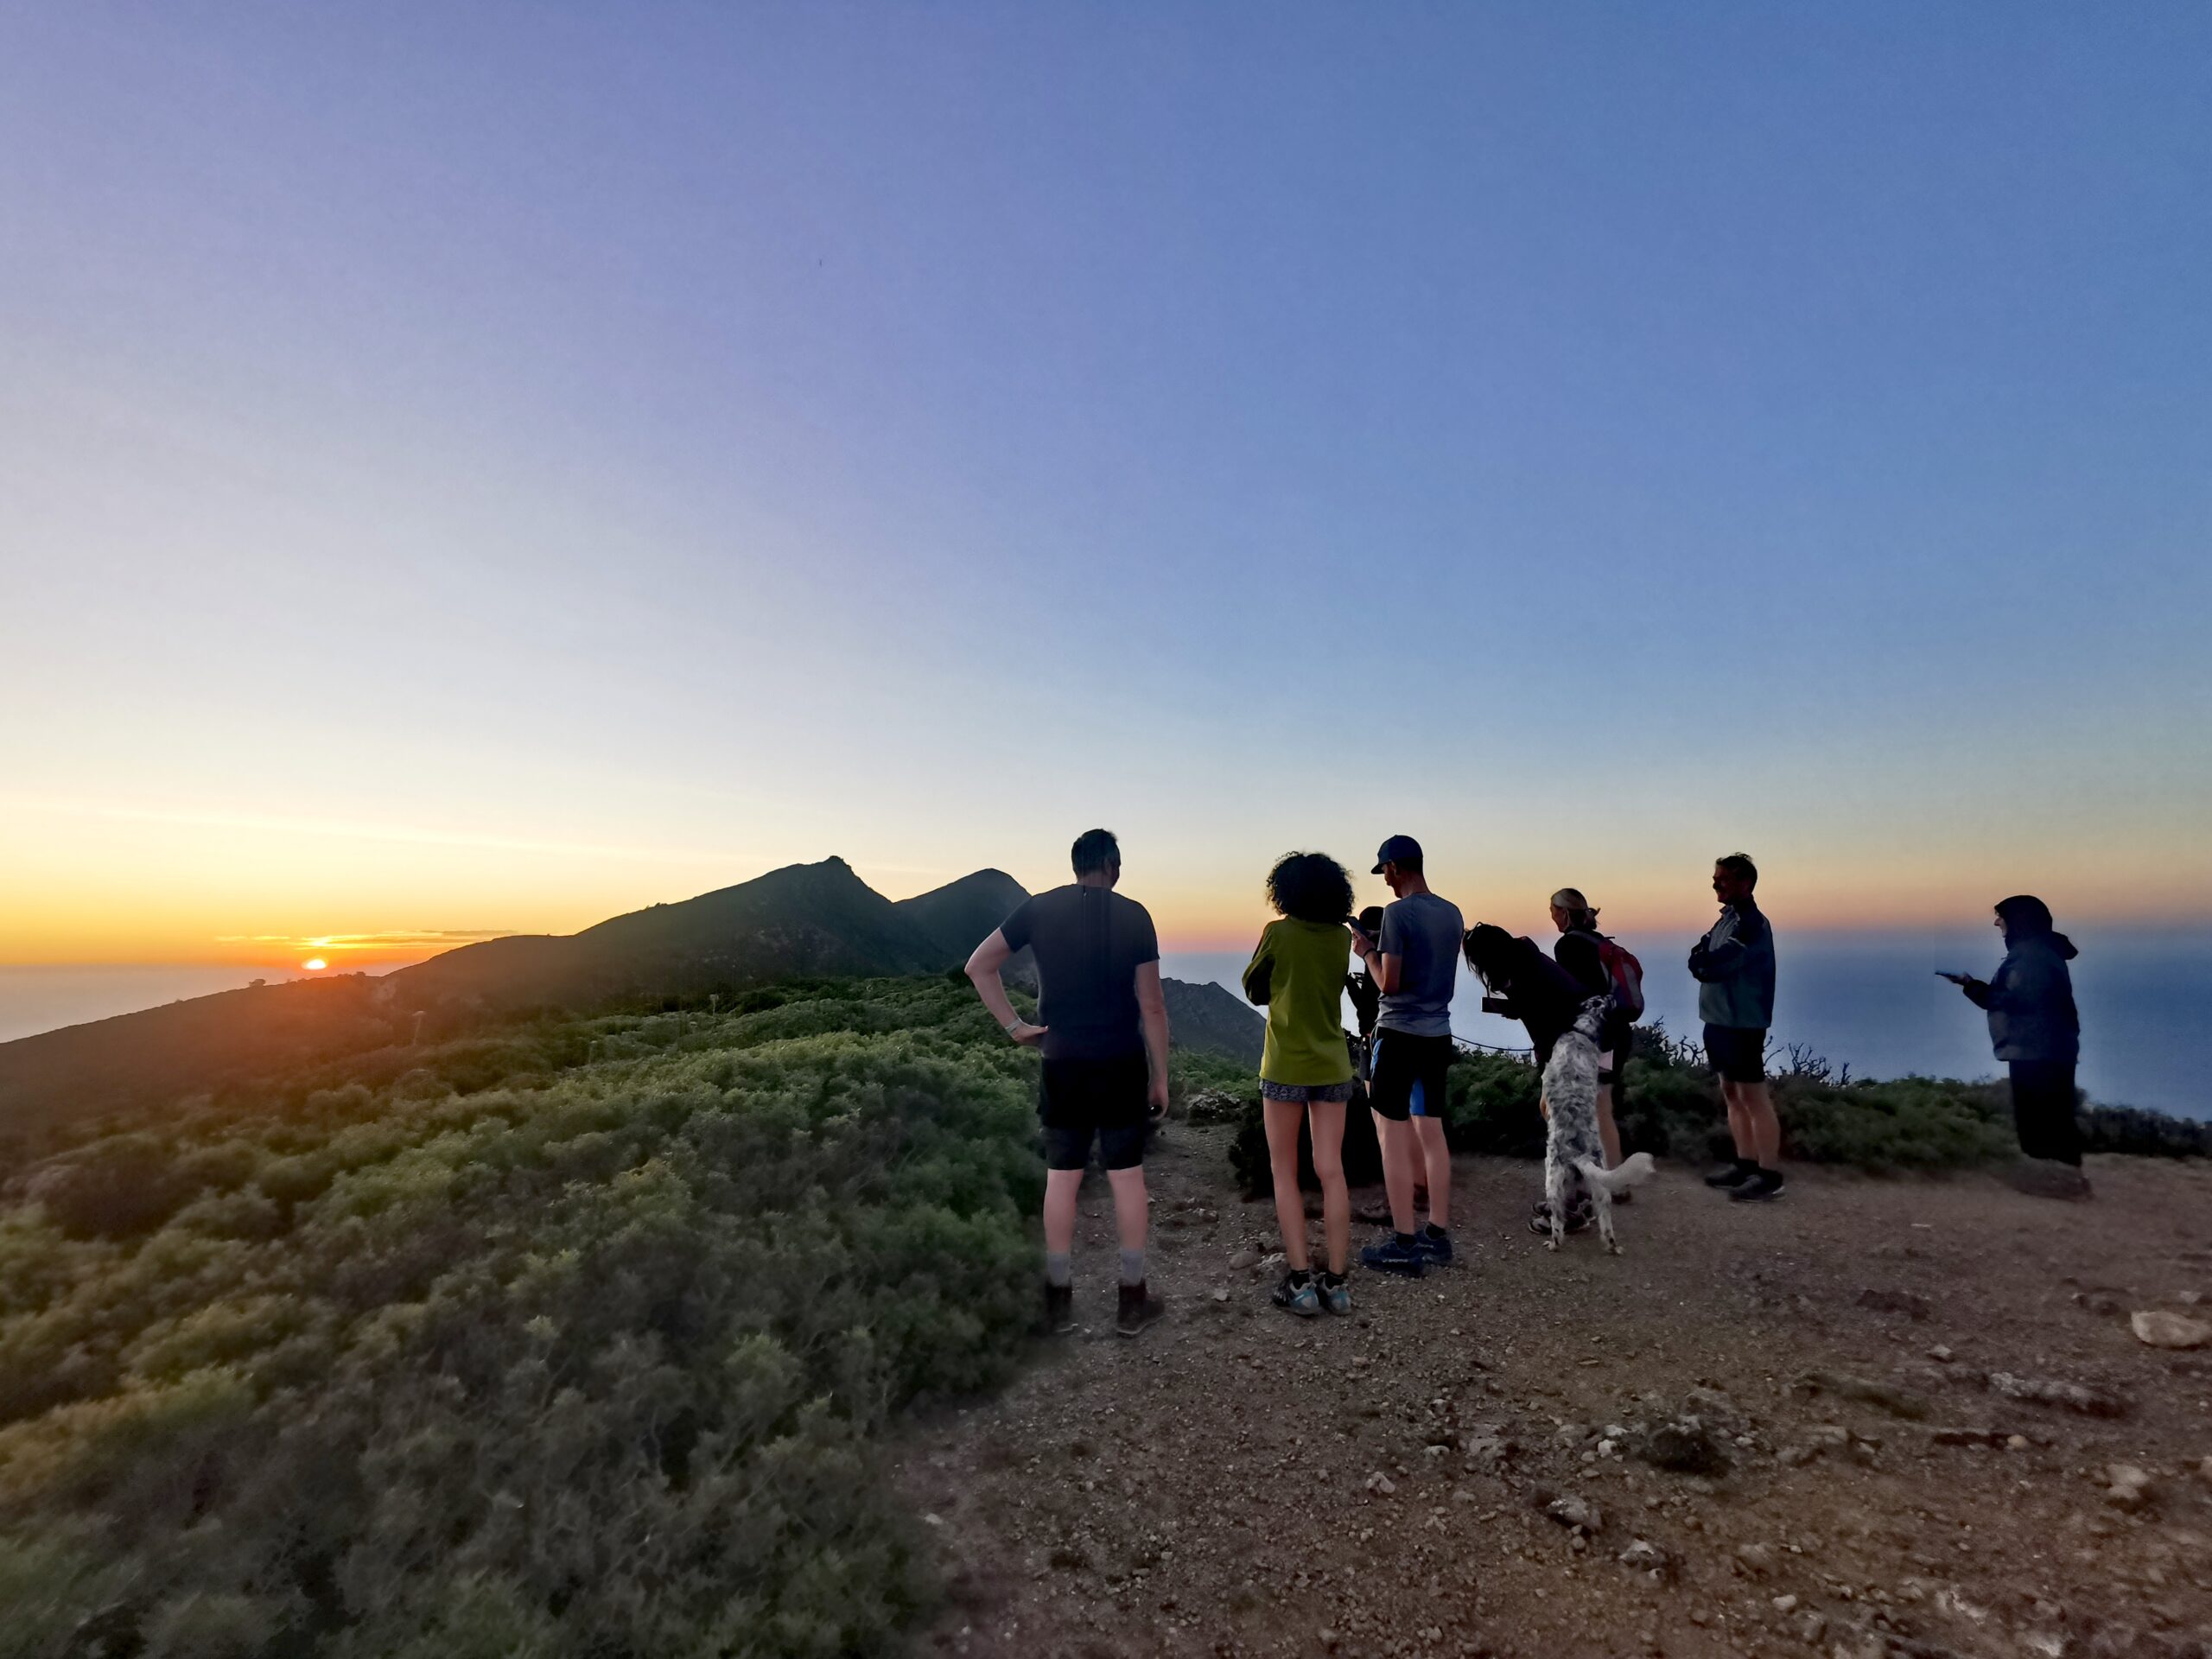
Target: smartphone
1496,1005
1955,979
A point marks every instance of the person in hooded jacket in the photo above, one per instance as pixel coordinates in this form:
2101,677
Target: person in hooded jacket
2036,1031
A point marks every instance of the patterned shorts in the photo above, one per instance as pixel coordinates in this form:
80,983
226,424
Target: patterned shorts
1305,1093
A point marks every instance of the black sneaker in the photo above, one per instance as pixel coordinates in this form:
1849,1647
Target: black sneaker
1060,1309
1385,1254
1759,1184
1140,1308
1435,1245
1731,1174
1579,1216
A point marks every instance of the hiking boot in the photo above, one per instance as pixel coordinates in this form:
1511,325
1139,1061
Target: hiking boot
1759,1184
1336,1295
1060,1309
1435,1245
1385,1254
1298,1294
1731,1174
1139,1308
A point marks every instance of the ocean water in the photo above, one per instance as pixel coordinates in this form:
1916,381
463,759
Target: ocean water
1872,1002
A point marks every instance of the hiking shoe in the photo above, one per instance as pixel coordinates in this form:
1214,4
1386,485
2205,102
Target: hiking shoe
1731,1174
1336,1295
1140,1308
1759,1184
1578,1217
1060,1309
1436,1246
1385,1254
1294,1295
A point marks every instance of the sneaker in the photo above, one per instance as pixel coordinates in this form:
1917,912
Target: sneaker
1060,1309
1140,1308
1731,1174
1336,1295
1385,1254
1436,1246
1759,1184
1297,1296
1579,1215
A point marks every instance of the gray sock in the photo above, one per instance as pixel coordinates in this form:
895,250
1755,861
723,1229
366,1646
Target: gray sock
1059,1271
1133,1267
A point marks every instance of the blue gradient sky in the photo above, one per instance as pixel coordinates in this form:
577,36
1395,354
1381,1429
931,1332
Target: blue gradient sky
485,468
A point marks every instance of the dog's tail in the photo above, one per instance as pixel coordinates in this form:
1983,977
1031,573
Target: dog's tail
1636,1169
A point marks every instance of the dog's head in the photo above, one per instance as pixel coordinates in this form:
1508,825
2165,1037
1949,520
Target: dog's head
1591,1021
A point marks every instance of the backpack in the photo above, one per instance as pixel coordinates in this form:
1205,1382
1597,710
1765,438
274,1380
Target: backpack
1626,974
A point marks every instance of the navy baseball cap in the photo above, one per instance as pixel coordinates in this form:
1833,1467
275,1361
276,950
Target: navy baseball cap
1399,849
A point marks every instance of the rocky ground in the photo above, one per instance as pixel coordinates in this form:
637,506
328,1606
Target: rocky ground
1873,1418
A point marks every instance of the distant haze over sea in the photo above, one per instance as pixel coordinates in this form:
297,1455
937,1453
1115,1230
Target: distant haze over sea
1870,1000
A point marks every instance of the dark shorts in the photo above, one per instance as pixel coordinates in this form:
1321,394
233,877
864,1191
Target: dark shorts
1408,1075
1737,1053
1082,1099
1616,1068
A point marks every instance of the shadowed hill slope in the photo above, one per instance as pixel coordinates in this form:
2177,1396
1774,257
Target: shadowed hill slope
805,920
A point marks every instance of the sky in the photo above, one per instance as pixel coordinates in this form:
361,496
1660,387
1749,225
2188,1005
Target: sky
476,469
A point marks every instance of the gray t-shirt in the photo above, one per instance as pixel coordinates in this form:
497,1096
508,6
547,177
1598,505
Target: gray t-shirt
1423,932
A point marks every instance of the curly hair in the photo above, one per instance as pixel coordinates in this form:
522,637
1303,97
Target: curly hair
1310,887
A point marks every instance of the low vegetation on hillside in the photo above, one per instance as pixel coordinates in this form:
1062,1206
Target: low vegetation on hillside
569,1341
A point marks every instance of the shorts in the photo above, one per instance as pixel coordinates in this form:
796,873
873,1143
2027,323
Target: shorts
1737,1053
1612,1073
1083,1098
1408,1080
1305,1093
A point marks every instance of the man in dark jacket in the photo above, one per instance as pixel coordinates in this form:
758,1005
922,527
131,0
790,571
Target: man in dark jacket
1733,965
2036,1031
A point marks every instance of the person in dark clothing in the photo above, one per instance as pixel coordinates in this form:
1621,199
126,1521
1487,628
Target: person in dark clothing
2036,1030
1734,965
1523,983
1579,950
1103,1031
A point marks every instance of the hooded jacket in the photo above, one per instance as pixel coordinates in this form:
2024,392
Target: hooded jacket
2030,1000
1733,965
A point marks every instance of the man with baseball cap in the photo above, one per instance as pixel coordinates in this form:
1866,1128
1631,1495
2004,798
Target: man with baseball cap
1416,964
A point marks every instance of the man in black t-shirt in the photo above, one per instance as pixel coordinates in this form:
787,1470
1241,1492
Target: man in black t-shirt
1103,1031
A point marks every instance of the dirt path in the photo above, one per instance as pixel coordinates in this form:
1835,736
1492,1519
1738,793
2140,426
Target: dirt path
1238,1482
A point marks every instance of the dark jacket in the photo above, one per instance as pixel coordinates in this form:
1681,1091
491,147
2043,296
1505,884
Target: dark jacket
2030,1001
1578,952
1542,995
1734,965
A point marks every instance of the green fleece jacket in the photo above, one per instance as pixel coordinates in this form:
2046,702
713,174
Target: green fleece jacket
1298,974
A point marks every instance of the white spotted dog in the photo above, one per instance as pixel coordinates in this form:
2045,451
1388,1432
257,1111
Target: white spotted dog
1572,1146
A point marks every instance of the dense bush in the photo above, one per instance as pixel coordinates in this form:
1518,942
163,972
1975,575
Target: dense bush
586,1361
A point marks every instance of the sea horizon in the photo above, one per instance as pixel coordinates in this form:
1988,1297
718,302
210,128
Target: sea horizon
1868,1000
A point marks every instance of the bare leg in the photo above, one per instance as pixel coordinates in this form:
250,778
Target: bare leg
1397,1170
1328,1120
1132,1205
1765,1127
1610,1136
1061,1186
1739,1120
1283,1118
1436,1159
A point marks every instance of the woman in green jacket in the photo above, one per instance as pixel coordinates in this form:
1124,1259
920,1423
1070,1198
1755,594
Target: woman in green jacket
1305,1071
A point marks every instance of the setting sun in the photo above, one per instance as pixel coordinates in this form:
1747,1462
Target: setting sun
315,964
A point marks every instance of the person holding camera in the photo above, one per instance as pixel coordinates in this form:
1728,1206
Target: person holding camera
2036,1031
1103,1032
1733,965
1297,974
1416,964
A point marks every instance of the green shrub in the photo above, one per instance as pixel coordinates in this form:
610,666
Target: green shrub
591,1365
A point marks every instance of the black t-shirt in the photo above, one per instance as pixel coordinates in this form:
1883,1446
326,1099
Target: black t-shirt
1089,942
1577,951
